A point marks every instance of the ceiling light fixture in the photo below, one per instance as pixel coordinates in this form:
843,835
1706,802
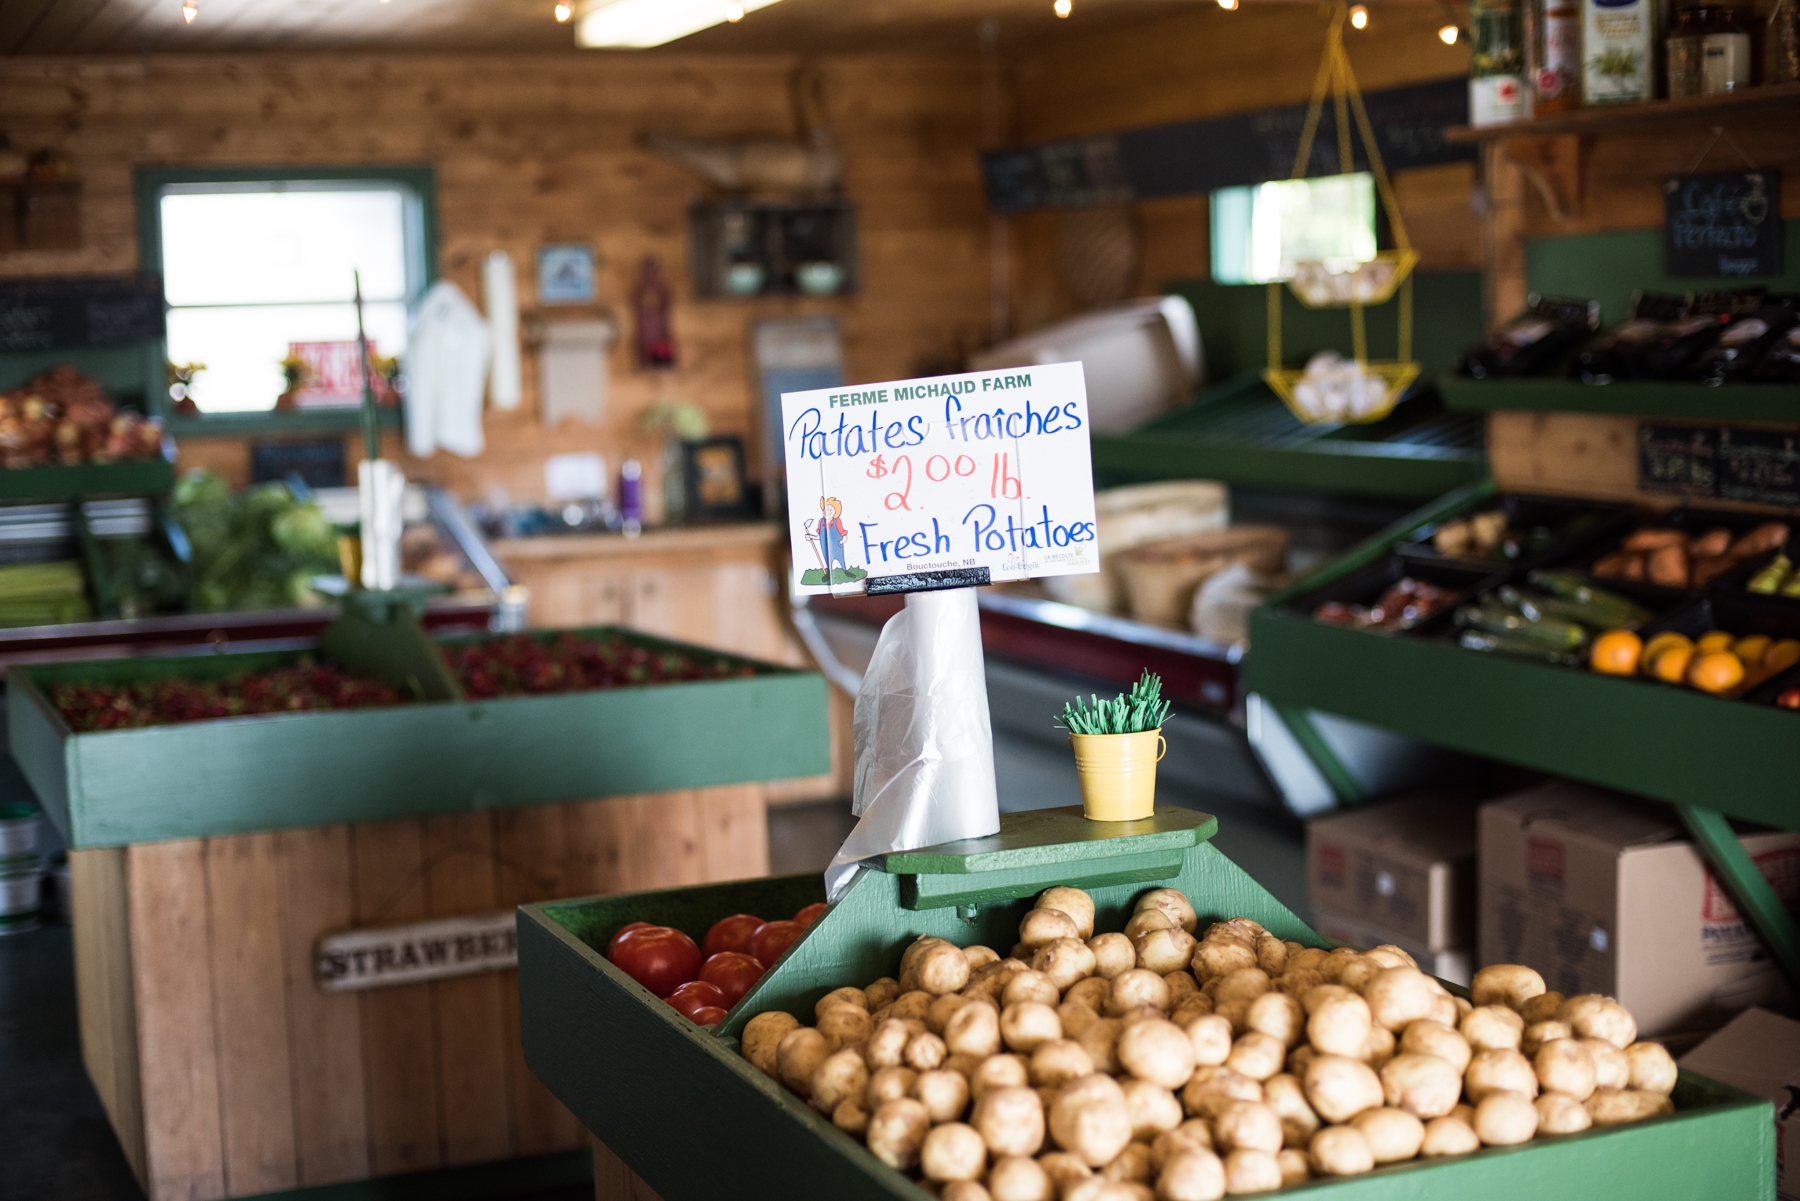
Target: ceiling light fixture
190,10
1063,7
563,13
1447,35
636,24
1228,5
1359,17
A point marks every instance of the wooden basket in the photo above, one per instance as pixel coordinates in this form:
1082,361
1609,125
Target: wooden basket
1161,577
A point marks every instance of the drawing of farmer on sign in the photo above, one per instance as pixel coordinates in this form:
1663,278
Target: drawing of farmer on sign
827,536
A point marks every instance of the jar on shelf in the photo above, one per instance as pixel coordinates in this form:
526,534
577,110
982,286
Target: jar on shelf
1553,54
1725,57
1684,54
1496,63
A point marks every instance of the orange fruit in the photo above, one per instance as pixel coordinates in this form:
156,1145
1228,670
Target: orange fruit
1751,650
1714,640
1671,665
1781,655
1716,672
1659,643
1616,653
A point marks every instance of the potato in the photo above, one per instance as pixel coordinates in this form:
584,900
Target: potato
881,993
1612,1067
938,1016
1010,1120
1399,996
1047,1094
1271,955
842,996
1257,1056
1341,1151
1296,982
1030,985
1091,992
1392,1134
1154,1109
1296,1166
1146,920
846,1025
1211,1038
1423,1085
962,1065
1506,984
1194,1005
1135,987
1075,1017
897,1131
909,959
1449,1135
1072,901
911,1005
1245,984
1541,1008
999,1071
1065,1170
1091,1119
1287,1097
839,1075
965,1190
1157,1051
1101,1041
886,1045
798,1056
1250,1171
1559,1113
980,956
1594,1016
1025,1024
1340,1026
1306,959
953,1151
1444,1010
1279,1016
944,1093
1492,1027
1314,998
1339,1088
1174,903
1464,1113
1057,1062
1195,1134
1181,985
1113,953
762,1037
1191,1175
1652,1070
1019,1178
1436,1038
1565,1066
1392,956
1164,951
1504,1118
1132,1165
1332,966
925,1051
1378,1048
1614,1106
1251,1125
1499,1070
973,1030
1220,957
852,1116
1299,1058
1063,962
1235,1012
1539,1033
889,1084
1360,973
1212,1089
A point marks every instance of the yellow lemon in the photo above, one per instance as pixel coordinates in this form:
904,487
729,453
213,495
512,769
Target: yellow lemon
1616,653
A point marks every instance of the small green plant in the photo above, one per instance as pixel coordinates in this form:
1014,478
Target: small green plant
1128,713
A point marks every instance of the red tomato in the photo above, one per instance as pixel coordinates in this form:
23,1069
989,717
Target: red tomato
810,914
730,934
697,994
621,935
733,972
772,938
712,1015
659,958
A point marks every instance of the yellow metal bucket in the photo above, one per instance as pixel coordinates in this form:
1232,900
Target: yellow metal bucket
1118,774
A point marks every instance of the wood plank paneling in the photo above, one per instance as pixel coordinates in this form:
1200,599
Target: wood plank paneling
666,839
250,1010
104,996
600,857
177,1052
318,896
400,1069
734,832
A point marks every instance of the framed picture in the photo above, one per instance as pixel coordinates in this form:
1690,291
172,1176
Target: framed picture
566,274
713,479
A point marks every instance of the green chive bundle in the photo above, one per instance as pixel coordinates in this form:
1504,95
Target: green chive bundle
1128,713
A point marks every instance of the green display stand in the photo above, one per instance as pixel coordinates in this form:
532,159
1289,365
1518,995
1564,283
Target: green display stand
690,1116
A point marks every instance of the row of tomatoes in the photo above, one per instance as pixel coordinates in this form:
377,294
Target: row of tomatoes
703,982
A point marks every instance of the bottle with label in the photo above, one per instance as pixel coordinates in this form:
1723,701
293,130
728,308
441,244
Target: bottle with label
1618,48
1496,63
1724,52
1548,329
1553,54
1684,50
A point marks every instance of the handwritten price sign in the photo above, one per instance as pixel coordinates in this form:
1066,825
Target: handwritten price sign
989,469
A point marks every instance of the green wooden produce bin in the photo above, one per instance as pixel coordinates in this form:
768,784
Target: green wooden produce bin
266,772
680,1106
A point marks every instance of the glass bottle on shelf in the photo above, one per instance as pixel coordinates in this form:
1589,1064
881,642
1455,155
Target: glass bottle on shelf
1724,52
1684,50
1553,54
1619,39
1496,63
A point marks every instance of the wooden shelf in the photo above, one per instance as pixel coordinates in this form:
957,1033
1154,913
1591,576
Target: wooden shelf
1646,398
270,423
1627,117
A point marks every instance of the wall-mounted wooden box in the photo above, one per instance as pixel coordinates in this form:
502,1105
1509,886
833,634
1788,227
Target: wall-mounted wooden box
748,249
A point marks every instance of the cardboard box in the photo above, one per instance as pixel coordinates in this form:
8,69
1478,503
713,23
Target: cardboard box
1603,894
1759,1052
1455,966
1406,867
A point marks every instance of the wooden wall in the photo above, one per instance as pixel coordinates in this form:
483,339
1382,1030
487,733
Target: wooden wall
542,148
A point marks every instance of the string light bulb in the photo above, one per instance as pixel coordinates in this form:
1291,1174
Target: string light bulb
1064,7
734,12
1359,17
1447,35
1228,5
189,11
563,13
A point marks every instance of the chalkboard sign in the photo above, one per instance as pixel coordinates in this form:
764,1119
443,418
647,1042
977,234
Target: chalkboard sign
79,310
1759,466
1246,148
319,464
1678,459
1723,223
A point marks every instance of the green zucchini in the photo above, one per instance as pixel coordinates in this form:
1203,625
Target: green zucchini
1515,647
1493,618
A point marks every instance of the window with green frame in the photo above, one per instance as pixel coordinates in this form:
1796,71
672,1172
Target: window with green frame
1259,232
255,259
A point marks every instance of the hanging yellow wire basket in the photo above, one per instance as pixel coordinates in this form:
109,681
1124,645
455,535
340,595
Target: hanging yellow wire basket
1331,388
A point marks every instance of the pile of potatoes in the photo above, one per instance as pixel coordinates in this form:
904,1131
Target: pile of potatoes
1151,1064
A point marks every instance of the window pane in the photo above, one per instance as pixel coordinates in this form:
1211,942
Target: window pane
243,347
1259,233
273,247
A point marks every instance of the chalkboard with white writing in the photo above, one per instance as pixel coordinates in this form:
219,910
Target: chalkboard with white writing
1724,223
52,313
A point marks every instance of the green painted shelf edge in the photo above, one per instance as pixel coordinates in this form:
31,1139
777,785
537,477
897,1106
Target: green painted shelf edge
87,479
1728,402
1346,468
271,424
1060,836
676,1101
249,774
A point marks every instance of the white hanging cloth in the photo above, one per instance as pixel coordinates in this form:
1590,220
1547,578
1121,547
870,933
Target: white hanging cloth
500,288
446,368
